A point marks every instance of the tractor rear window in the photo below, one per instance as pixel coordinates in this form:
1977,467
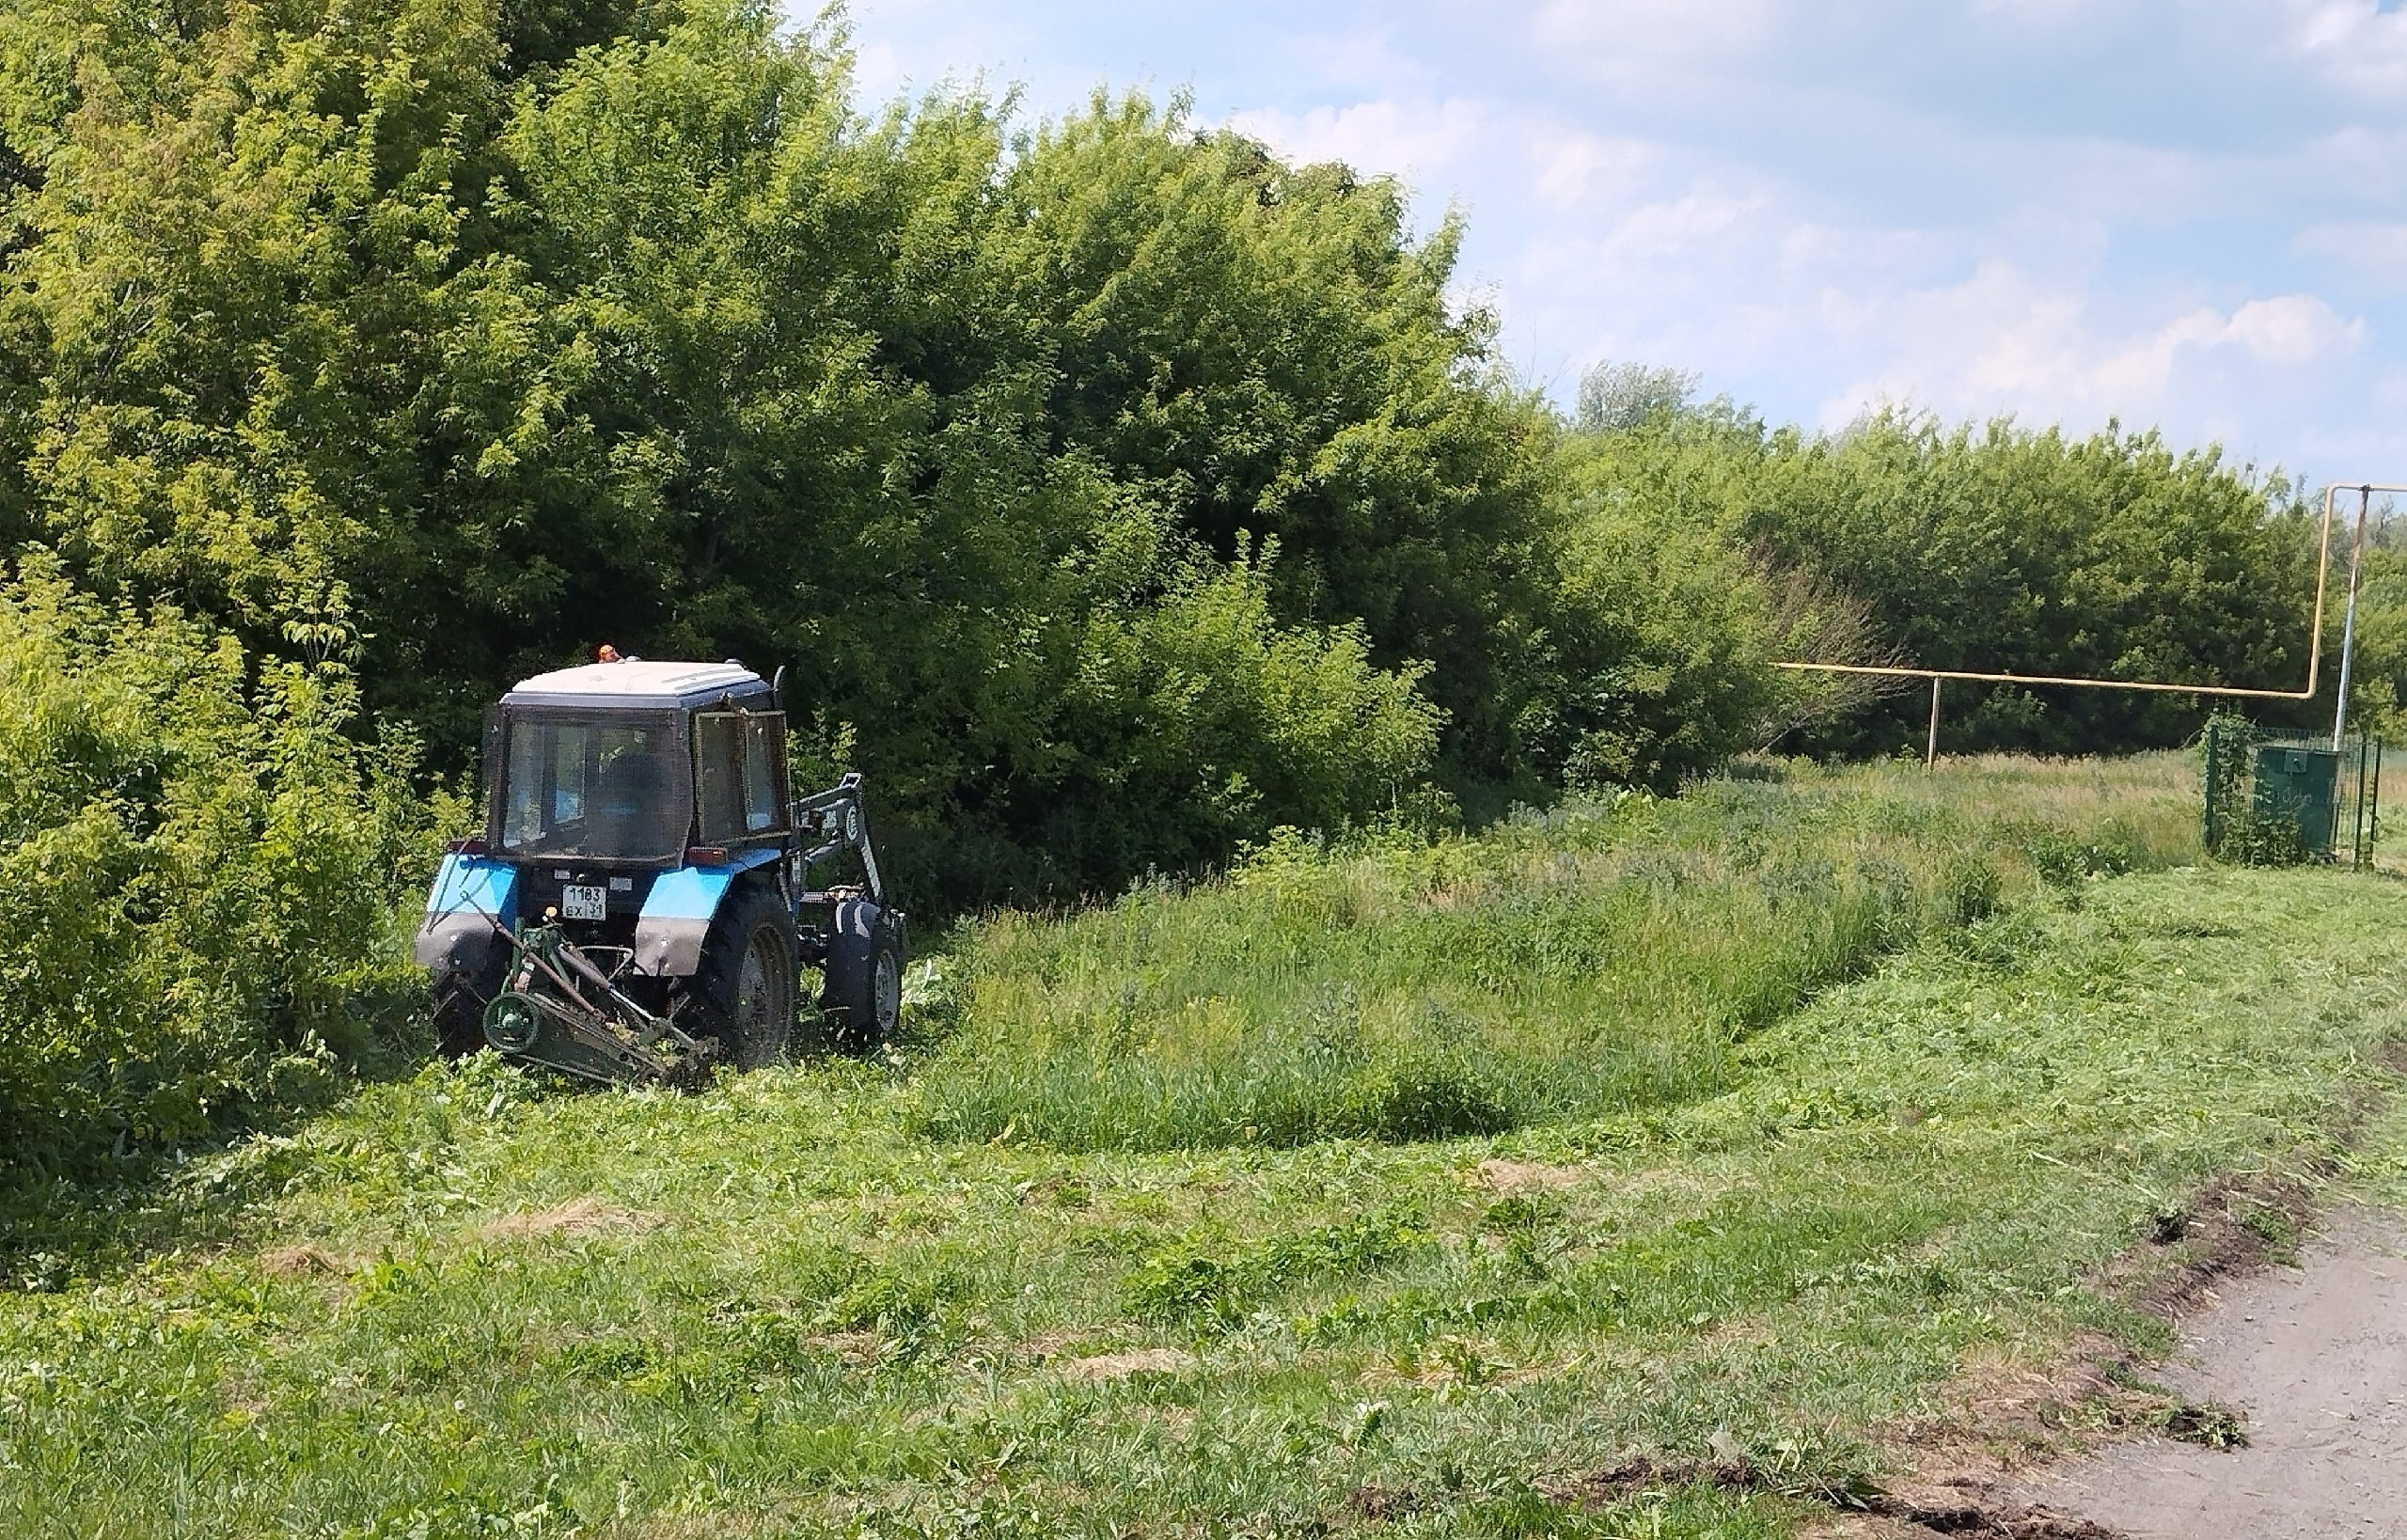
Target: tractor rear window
614,788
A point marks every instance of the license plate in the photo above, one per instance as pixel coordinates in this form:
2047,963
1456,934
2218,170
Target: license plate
584,902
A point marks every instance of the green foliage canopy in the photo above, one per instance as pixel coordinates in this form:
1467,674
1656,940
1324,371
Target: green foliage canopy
1995,548
467,334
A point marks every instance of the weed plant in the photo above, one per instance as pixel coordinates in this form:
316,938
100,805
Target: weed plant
1606,956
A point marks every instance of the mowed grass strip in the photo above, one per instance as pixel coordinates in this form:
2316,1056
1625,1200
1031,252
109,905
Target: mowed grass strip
466,1305
1597,959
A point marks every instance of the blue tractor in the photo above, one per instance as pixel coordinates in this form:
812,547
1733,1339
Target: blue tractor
642,902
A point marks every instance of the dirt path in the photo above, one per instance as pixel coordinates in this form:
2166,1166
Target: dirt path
2316,1358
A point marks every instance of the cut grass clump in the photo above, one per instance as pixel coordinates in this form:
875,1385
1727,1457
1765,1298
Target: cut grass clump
1599,958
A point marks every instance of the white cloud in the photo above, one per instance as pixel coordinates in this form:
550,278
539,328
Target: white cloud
1822,251
1621,38
1409,139
1576,167
2362,157
2004,341
1429,141
1366,61
2354,43
2373,251
1678,229
2287,330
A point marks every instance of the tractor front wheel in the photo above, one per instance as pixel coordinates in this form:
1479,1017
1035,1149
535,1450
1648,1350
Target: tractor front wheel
864,994
743,994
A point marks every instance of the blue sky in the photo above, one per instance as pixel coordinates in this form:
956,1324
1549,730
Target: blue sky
2187,212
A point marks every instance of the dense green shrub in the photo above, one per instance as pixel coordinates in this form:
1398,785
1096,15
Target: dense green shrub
1195,720
198,872
1987,548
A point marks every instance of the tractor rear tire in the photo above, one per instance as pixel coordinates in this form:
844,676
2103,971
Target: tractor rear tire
863,1000
743,993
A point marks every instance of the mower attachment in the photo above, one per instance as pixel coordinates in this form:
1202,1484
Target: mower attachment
558,1008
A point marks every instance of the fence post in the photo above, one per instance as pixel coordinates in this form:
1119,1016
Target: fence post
2374,814
2357,860
2214,783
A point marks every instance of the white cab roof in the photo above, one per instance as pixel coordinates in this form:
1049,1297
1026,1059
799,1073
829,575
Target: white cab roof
635,681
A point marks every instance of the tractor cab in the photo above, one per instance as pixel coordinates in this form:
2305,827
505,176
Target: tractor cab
645,892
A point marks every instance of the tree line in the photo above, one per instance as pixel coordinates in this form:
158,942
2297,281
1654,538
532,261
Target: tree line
1986,548
1113,490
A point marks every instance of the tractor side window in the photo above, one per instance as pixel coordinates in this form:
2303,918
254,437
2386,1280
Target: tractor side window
764,772
740,757
718,761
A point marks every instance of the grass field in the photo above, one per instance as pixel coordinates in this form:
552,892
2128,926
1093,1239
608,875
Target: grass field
1597,959
1784,1116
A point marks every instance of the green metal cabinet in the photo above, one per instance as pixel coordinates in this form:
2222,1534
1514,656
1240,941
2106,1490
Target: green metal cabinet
2300,786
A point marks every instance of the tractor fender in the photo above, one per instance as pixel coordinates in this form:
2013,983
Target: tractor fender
470,893
677,913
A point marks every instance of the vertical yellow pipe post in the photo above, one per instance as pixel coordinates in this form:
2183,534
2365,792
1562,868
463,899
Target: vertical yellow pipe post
1930,752
2348,627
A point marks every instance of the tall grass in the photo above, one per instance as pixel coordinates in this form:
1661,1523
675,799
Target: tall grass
478,1303
1603,957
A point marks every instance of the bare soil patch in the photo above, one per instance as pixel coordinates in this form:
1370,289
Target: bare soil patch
1865,1511
1140,1360
2234,1226
2030,1526
301,1261
1384,1505
578,1217
1647,1473
859,1349
1508,1177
